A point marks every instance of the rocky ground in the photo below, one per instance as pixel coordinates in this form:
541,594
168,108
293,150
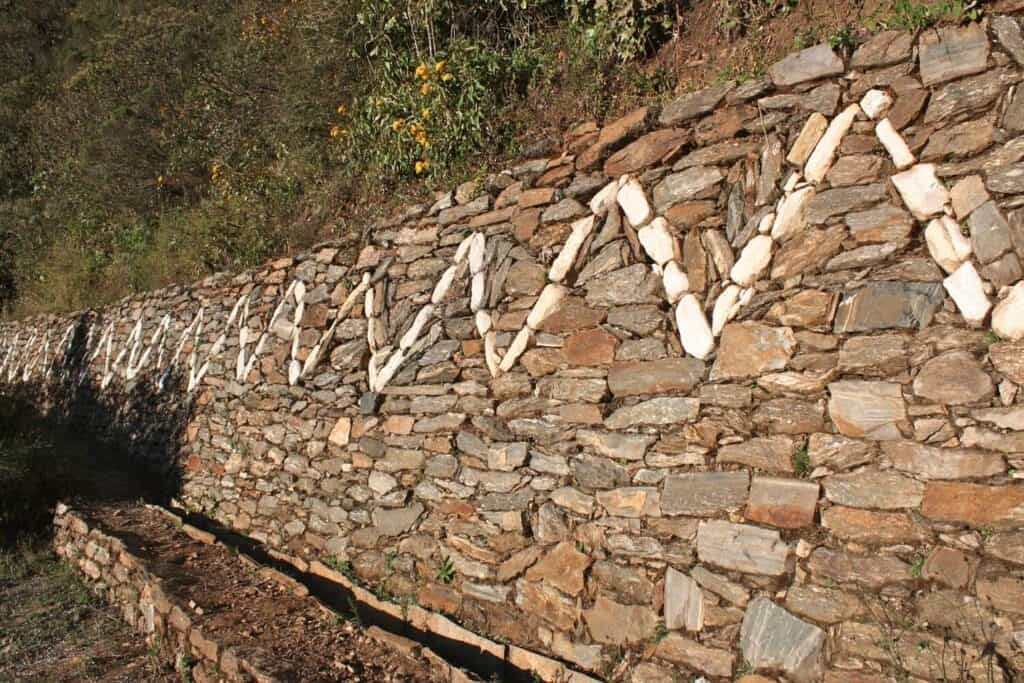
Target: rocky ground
54,630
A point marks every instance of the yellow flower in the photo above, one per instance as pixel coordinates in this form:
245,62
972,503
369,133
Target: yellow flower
425,114
425,88
341,109
421,137
377,102
447,77
422,166
335,131
439,67
397,123
422,71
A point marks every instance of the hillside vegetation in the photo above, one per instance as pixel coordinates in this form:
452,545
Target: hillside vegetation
144,142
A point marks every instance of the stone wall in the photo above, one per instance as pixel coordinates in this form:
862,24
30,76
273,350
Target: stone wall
731,384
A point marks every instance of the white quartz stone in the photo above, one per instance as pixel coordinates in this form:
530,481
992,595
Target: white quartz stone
875,103
491,353
961,242
476,293
922,191
764,227
548,300
894,144
634,202
658,242
581,229
483,322
727,305
463,249
792,181
368,304
300,292
790,218
694,331
676,282
516,348
604,199
418,323
753,261
939,246
1008,316
443,285
477,252
390,368
968,292
824,153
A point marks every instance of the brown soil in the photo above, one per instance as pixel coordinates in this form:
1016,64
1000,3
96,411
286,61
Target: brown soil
53,630
235,605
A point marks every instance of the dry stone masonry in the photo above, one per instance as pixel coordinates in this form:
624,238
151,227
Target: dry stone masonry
730,384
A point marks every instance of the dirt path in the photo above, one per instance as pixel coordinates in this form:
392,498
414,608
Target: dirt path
238,605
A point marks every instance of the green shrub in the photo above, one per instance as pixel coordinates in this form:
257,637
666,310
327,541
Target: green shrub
144,142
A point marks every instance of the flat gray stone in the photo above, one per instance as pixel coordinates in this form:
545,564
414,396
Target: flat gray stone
812,63
397,521
831,203
874,490
871,571
657,411
742,548
618,446
772,638
950,52
685,185
634,284
990,233
768,453
655,377
694,104
1008,32
872,410
888,304
954,378
884,49
930,462
962,140
969,94
704,493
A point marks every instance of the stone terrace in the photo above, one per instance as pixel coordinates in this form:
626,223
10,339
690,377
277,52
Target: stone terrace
731,385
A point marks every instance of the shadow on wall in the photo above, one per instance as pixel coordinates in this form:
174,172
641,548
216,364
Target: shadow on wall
65,438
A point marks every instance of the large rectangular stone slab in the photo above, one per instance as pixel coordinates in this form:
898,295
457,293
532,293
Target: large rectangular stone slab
742,548
655,377
887,304
785,503
974,504
704,493
656,411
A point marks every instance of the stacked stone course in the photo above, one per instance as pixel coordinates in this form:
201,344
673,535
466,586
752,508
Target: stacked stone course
729,383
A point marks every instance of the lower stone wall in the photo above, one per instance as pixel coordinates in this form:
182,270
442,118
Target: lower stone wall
148,604
122,579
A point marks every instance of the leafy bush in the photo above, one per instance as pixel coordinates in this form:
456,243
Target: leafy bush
622,29
144,142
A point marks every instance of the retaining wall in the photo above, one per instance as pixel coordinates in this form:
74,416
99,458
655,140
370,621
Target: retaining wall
730,384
